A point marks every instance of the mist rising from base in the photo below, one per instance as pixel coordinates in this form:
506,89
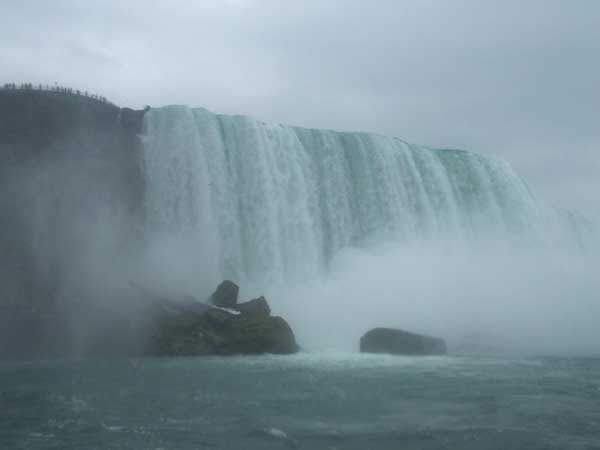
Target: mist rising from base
487,298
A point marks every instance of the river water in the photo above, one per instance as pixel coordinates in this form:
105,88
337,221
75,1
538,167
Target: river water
306,401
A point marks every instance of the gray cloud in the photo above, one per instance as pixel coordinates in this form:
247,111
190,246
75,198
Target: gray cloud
510,78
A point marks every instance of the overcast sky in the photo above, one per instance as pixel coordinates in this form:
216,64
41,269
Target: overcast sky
515,78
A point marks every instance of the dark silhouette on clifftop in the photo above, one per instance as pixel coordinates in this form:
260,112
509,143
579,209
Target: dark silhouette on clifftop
53,90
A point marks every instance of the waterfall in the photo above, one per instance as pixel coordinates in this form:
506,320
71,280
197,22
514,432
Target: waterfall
262,201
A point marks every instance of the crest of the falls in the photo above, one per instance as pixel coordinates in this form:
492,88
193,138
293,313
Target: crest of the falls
270,202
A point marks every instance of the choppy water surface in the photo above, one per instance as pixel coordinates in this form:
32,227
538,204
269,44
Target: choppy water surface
307,401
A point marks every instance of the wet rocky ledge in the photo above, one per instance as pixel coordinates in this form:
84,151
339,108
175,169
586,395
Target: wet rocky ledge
220,327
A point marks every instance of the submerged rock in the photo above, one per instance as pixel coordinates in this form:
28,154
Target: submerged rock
399,342
247,328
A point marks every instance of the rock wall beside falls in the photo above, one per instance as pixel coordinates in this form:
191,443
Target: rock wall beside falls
71,191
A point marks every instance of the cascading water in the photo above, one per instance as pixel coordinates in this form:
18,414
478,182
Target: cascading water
272,203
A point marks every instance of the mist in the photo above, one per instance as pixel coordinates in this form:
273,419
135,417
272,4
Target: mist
485,298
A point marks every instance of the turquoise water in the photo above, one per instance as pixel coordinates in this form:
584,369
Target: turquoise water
307,401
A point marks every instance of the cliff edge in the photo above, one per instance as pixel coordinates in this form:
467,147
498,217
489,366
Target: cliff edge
71,186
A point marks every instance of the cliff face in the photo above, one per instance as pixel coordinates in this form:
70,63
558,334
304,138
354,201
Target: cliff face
71,193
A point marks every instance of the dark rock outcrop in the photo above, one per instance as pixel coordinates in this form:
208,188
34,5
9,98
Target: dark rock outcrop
179,329
71,196
399,342
226,295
